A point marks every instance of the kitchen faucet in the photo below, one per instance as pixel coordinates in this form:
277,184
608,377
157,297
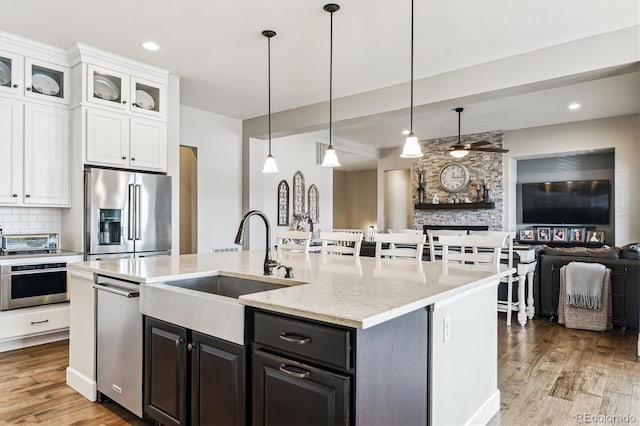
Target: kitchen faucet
269,264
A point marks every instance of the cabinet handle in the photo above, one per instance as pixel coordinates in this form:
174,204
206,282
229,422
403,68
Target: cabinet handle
179,341
300,340
28,195
305,375
124,102
133,158
192,346
15,86
14,195
28,89
39,322
124,158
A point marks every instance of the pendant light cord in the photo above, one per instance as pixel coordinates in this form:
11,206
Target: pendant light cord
411,111
331,81
269,86
459,115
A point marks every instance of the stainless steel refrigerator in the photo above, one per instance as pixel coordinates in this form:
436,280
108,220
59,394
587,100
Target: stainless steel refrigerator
128,214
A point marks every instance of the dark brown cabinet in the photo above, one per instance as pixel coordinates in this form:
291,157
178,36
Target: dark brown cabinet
192,378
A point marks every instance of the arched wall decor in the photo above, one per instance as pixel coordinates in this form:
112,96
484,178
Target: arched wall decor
314,204
298,193
283,203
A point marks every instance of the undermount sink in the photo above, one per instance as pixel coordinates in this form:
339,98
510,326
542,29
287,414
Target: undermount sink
206,304
225,286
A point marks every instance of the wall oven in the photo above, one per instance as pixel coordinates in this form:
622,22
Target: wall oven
25,283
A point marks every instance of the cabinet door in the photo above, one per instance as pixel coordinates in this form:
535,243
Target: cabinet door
46,81
165,366
107,88
11,73
286,392
46,155
107,138
10,152
148,98
218,390
148,144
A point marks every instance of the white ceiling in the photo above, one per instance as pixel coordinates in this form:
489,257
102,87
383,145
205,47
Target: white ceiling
217,49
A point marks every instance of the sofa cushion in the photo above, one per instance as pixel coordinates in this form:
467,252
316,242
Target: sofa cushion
601,252
630,251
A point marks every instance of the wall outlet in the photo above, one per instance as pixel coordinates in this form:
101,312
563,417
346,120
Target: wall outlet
446,328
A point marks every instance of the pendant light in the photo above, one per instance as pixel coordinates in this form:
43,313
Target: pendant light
330,157
411,145
457,150
270,162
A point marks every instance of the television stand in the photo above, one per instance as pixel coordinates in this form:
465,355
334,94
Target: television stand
562,243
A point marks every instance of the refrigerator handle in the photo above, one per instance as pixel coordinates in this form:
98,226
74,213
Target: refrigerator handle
138,213
132,212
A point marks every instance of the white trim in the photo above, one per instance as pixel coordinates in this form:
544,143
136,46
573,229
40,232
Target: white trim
82,384
33,49
490,407
34,340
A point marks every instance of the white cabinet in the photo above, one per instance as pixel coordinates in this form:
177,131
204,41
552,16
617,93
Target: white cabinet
34,79
116,139
34,154
46,155
10,152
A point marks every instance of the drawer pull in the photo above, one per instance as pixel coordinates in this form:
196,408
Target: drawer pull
304,375
300,340
39,322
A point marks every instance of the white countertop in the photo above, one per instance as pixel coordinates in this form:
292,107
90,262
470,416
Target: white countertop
65,255
355,292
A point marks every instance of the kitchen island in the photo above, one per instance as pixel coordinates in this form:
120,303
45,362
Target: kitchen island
432,326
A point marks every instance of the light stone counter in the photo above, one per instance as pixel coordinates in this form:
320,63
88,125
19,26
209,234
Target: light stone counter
354,292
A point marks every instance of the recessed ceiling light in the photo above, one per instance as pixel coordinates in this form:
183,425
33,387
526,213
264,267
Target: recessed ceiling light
149,45
574,106
406,132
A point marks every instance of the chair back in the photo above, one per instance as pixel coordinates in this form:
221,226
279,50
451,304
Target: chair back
341,243
484,249
404,245
509,237
406,231
293,241
435,247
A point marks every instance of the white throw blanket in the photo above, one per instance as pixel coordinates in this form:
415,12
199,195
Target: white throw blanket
584,285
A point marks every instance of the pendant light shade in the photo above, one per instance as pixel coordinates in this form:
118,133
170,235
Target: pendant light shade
411,145
459,153
330,157
270,162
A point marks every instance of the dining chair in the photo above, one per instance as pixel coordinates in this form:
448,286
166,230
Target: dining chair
406,231
435,248
341,243
507,305
484,250
405,245
298,241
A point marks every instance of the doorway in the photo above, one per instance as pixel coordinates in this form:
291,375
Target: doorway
397,199
188,199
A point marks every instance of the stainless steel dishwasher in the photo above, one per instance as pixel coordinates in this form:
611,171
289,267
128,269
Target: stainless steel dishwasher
119,342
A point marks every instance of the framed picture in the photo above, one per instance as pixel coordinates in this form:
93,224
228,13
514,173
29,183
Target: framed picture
576,235
595,237
527,235
544,234
559,234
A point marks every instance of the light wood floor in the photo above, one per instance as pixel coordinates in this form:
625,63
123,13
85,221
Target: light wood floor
546,374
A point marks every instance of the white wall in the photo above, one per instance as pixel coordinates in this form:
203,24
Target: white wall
355,199
218,140
620,133
292,153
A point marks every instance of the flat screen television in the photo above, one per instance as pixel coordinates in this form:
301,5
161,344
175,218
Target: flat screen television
575,202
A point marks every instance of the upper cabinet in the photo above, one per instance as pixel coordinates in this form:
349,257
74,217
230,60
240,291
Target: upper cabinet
11,73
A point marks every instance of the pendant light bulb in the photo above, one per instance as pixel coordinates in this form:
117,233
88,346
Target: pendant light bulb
411,145
330,156
270,165
270,162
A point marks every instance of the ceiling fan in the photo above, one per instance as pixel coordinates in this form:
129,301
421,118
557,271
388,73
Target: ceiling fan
460,149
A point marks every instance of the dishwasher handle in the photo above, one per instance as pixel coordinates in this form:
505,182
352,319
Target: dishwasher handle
120,292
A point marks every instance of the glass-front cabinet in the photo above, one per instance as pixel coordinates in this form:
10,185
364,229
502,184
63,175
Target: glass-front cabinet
11,73
106,87
47,81
148,98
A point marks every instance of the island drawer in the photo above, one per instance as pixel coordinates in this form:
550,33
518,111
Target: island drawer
313,341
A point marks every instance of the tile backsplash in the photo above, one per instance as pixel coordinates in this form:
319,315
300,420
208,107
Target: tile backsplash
30,220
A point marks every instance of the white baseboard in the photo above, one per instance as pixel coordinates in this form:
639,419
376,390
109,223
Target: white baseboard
486,411
82,384
25,342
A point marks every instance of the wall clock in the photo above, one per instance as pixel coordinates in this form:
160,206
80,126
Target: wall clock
454,177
